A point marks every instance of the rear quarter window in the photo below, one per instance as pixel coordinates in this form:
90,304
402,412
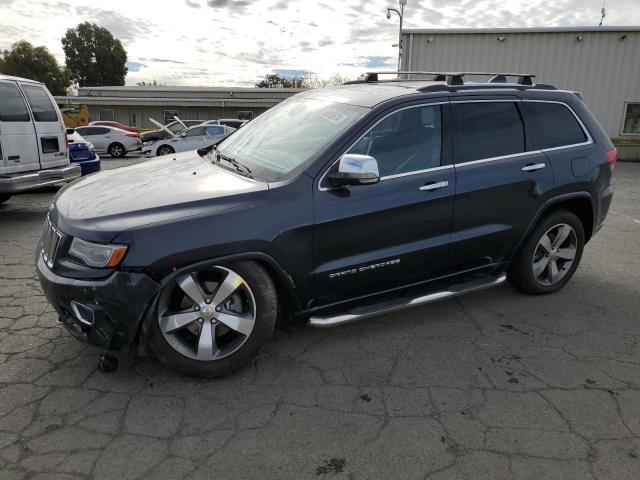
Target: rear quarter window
41,105
550,125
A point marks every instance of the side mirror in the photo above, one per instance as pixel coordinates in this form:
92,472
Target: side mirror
354,169
71,131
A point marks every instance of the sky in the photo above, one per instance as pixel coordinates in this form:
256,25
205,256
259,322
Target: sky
238,42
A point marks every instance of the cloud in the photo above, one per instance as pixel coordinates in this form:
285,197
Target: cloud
237,5
306,46
233,42
160,60
123,28
325,42
377,61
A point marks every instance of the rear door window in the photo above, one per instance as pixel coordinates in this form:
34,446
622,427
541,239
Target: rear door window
551,125
12,106
487,130
41,105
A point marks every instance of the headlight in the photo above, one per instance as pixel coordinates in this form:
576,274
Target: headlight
97,255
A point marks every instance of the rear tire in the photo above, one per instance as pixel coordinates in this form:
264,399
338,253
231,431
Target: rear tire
204,337
4,197
550,256
117,150
165,150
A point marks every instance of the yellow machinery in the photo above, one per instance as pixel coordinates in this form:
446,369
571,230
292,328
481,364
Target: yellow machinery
75,116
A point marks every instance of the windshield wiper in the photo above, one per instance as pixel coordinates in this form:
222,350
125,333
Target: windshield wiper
239,167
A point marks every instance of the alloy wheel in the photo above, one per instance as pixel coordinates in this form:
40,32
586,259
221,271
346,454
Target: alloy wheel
554,254
116,151
207,315
165,151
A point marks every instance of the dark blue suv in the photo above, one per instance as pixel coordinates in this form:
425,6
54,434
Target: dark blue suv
335,205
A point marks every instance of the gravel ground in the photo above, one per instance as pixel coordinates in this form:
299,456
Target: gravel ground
494,385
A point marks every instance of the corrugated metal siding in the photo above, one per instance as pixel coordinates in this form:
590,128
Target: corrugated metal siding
604,68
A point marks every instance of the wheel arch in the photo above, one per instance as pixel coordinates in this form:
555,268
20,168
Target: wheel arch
116,143
285,286
579,203
164,145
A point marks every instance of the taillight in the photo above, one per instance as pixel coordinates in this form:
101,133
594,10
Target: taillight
132,135
66,141
612,157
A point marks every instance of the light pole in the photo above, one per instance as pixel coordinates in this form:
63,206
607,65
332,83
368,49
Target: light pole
400,13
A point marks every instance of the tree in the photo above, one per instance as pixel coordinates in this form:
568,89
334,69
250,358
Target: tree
306,80
94,56
155,83
36,63
275,80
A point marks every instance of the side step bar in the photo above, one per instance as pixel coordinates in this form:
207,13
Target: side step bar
373,310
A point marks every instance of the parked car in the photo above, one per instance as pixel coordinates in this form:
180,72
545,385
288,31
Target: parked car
176,127
114,141
233,122
335,205
82,152
33,147
191,139
121,126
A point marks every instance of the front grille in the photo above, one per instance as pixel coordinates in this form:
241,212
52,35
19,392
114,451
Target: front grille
50,242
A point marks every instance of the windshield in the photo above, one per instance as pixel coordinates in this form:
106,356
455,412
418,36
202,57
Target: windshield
283,140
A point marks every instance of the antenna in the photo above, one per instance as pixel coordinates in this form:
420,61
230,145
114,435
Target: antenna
603,13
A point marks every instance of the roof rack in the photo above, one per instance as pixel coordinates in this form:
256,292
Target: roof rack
451,78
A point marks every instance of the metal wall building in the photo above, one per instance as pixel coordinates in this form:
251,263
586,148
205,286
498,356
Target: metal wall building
134,105
601,62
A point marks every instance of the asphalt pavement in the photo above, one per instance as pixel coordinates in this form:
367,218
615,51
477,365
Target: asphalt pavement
494,385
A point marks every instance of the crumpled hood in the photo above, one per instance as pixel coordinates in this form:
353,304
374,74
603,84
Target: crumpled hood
174,186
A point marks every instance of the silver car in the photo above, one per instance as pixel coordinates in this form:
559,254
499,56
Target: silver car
111,140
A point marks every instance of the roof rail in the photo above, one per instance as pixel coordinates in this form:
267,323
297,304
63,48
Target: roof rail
451,78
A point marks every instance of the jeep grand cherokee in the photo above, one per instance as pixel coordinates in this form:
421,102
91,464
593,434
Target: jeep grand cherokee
335,205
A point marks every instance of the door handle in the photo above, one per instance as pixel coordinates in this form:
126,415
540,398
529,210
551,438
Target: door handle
429,187
531,167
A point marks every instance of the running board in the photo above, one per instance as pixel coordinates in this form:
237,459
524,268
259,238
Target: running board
373,310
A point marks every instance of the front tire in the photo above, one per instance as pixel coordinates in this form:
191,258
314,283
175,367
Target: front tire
212,321
165,150
117,150
550,256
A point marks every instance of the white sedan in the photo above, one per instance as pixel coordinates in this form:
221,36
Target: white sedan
191,139
111,140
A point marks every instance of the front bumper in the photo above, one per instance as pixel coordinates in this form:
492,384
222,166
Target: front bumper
118,305
20,182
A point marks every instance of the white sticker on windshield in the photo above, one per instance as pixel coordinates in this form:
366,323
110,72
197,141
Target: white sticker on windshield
333,116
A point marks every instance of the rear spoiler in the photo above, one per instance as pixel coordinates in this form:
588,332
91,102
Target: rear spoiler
578,94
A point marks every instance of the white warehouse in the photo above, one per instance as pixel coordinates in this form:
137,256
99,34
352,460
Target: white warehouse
601,62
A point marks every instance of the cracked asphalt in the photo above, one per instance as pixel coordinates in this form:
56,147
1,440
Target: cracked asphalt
494,385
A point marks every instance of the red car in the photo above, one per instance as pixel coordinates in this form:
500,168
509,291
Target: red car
119,125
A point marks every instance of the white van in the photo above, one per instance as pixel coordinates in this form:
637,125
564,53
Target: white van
33,142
